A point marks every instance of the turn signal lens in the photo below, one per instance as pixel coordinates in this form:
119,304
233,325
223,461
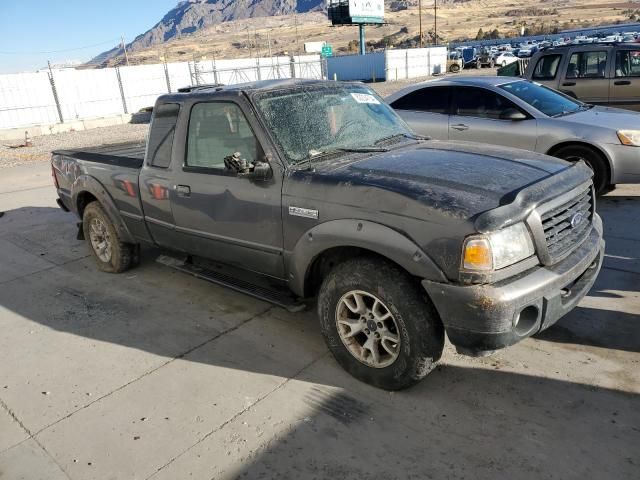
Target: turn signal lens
477,254
629,137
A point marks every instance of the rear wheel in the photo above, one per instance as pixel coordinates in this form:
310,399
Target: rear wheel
110,253
455,68
492,64
593,159
478,64
378,323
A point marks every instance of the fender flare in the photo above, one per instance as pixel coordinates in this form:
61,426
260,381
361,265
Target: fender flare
87,183
364,234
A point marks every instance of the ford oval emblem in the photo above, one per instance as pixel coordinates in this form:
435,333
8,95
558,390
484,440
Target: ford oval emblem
577,219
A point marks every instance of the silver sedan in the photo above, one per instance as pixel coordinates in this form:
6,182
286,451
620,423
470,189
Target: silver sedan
518,113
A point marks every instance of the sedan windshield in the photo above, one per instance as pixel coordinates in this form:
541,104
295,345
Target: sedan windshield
543,99
312,121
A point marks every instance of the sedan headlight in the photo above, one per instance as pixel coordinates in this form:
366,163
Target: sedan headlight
629,137
498,249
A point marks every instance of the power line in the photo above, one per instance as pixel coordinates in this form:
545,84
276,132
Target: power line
61,51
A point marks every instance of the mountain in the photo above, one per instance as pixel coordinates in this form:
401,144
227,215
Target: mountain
192,15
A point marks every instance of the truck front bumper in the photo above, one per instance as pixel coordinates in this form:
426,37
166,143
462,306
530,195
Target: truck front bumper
482,318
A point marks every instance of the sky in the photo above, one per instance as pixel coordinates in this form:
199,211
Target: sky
34,31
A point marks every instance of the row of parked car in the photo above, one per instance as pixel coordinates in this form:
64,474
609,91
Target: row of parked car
575,102
507,53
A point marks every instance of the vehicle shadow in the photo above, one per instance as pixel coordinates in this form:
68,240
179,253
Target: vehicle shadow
463,423
459,422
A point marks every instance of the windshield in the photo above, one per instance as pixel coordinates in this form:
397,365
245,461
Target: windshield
543,99
313,120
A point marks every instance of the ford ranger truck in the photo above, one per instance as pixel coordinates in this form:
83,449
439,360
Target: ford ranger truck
293,190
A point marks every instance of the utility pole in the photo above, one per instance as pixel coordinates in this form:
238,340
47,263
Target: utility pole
124,47
420,21
435,22
249,41
295,19
269,43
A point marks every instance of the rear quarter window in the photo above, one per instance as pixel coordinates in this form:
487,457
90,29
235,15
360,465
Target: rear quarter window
163,127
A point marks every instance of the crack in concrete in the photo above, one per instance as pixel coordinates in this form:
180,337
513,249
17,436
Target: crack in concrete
155,369
239,413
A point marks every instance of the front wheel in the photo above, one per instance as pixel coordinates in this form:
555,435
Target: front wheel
378,324
455,68
110,253
593,159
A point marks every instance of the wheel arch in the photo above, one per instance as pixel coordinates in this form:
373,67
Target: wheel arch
337,240
87,189
581,143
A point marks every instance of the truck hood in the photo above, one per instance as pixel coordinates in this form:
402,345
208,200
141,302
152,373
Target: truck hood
605,117
459,178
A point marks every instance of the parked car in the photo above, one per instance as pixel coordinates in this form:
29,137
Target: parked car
527,50
455,63
505,59
598,74
485,59
518,113
296,189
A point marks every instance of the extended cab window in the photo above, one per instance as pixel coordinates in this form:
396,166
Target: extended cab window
587,65
480,103
547,67
218,130
628,63
434,100
160,142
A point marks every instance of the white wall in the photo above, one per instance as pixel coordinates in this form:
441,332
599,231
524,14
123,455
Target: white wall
27,99
415,62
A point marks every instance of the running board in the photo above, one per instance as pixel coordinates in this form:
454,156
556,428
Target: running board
282,298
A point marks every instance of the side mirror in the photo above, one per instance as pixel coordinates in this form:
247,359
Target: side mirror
260,171
512,114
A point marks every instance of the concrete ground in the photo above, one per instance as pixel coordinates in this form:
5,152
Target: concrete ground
155,374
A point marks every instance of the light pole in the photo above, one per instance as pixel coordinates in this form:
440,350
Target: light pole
435,22
420,20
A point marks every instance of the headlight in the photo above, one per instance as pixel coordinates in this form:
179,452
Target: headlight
498,249
629,137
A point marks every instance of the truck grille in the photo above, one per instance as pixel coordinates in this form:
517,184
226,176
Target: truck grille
560,235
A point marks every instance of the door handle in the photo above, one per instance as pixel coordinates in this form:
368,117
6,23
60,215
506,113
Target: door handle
622,82
183,190
569,84
460,127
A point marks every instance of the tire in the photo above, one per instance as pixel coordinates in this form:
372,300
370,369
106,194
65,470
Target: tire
412,320
492,64
110,253
478,64
593,159
455,68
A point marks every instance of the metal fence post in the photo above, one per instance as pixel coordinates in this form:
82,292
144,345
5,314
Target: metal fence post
54,90
292,66
166,76
124,99
258,72
406,63
215,72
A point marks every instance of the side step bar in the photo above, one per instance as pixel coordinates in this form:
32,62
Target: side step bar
282,298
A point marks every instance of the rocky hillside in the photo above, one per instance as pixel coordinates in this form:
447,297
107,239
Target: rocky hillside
192,15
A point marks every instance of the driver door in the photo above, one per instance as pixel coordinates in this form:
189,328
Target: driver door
218,214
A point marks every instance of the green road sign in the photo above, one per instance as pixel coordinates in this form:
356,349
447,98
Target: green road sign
327,51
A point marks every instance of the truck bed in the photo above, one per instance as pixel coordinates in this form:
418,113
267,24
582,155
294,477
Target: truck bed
130,155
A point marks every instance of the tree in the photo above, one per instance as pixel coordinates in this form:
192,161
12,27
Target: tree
480,35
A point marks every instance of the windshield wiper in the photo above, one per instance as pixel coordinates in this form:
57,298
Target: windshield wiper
398,136
319,154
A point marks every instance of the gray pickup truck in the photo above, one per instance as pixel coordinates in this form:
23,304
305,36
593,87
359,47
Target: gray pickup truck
294,190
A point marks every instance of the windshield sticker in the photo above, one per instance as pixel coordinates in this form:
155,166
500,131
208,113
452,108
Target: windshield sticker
365,98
